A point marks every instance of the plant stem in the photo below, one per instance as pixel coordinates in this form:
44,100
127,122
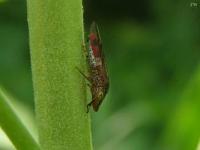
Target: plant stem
13,127
56,37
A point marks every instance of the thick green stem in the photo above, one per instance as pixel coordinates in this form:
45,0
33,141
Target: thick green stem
56,37
13,127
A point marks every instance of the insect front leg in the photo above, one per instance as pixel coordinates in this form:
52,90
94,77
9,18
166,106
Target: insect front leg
89,105
94,99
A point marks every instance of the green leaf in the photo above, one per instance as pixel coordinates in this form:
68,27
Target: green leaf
13,126
183,130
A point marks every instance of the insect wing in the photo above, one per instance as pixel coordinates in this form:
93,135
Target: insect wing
94,30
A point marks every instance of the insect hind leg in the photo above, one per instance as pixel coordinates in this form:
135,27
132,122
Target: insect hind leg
88,78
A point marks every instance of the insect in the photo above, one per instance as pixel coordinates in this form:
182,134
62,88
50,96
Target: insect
98,77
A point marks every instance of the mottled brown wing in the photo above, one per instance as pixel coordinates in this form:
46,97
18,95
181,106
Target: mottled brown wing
104,65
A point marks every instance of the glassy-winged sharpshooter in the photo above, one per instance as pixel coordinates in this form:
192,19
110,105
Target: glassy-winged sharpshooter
98,76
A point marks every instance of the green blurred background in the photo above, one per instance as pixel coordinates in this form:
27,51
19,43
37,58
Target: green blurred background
152,50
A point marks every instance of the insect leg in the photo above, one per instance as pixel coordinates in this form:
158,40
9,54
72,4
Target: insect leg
84,50
89,85
88,78
88,105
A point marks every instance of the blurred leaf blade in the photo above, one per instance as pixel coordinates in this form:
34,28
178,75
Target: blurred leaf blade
183,130
13,127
